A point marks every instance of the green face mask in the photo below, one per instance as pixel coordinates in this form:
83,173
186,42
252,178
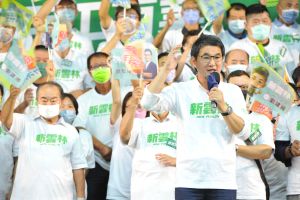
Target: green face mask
101,75
42,68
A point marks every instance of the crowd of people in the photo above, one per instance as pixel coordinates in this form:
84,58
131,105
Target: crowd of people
184,130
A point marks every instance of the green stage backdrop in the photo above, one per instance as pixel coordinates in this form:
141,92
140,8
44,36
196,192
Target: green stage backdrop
88,21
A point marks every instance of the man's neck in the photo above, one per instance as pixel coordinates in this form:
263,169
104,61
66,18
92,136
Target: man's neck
282,21
103,88
266,41
160,117
191,27
64,53
203,81
53,120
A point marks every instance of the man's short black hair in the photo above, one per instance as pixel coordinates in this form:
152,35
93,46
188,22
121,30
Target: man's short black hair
256,9
96,54
237,73
235,6
41,47
68,2
296,75
73,99
162,54
135,7
50,83
206,40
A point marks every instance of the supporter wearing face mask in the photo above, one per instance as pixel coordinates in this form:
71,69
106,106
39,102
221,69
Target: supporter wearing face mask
249,180
190,13
64,171
285,27
260,46
96,110
236,59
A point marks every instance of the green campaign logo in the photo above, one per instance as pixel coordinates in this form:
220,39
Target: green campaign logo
102,109
51,139
255,132
203,110
67,74
298,126
163,138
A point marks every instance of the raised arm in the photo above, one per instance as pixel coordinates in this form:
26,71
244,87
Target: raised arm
8,108
128,119
45,10
103,13
160,36
116,105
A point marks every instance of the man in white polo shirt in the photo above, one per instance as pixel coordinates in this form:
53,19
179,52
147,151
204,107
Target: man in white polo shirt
205,148
260,46
50,160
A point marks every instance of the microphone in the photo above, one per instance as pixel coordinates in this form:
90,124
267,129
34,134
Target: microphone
213,80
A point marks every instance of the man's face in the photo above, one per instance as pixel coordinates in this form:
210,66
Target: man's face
41,56
161,62
237,57
287,4
208,60
257,80
49,95
66,5
257,19
97,61
66,11
237,14
6,35
148,56
240,81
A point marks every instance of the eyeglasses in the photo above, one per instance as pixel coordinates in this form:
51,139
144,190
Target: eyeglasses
206,58
131,16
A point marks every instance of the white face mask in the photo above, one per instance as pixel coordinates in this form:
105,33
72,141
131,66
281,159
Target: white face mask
49,111
236,26
232,68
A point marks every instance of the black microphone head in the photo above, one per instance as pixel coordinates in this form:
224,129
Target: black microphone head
217,76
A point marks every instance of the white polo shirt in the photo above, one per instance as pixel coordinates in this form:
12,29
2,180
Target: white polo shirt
150,179
250,184
289,35
205,146
8,151
71,72
288,129
94,116
276,54
48,154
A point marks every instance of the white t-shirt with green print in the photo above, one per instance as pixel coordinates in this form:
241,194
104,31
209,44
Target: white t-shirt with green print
205,146
250,184
8,151
48,154
71,72
94,116
150,179
288,129
289,35
276,54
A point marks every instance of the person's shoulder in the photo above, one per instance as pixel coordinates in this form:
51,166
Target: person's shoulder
258,117
87,95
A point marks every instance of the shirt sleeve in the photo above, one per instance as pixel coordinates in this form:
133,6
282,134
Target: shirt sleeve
162,102
282,131
78,160
18,125
87,147
267,132
110,31
135,132
81,118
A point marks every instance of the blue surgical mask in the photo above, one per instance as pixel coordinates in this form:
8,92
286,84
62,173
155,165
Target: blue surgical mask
66,14
260,32
68,115
236,26
290,15
64,45
191,16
